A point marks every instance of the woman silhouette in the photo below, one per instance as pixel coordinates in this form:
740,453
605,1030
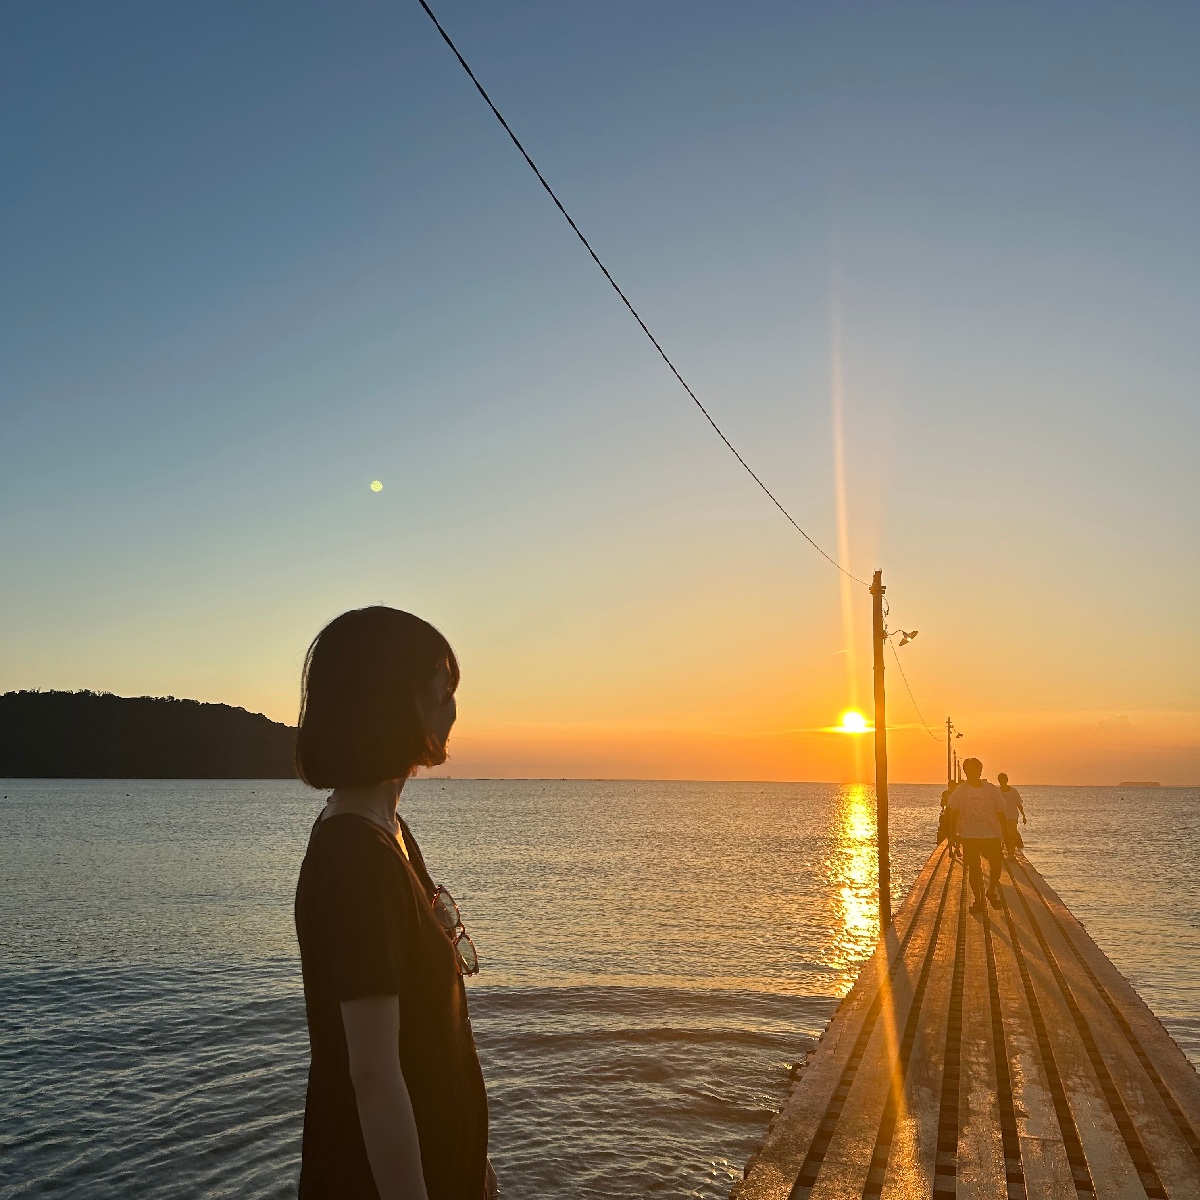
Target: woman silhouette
396,1106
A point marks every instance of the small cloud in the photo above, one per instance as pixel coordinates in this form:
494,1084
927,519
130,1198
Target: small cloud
1114,726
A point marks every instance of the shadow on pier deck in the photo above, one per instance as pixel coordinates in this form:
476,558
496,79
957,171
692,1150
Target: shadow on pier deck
986,1056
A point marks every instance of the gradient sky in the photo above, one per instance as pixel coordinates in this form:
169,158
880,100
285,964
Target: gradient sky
256,256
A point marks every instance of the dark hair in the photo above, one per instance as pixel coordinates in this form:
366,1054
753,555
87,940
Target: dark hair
360,720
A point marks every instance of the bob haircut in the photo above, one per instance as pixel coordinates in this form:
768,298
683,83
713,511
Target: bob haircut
364,676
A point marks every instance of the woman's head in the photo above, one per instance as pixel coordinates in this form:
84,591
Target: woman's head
376,700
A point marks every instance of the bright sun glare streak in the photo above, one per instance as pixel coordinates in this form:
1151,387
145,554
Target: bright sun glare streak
846,596
887,1016
857,867
860,932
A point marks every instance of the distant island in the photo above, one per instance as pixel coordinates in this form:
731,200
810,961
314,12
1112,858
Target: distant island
1139,783
96,735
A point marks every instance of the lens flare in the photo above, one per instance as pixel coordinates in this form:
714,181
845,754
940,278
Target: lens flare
376,485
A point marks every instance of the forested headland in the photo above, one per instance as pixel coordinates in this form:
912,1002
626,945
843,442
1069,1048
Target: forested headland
95,735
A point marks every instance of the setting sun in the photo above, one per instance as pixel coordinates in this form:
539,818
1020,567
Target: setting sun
853,722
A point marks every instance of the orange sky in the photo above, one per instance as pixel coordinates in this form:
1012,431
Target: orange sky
1077,749
703,641
702,644
673,672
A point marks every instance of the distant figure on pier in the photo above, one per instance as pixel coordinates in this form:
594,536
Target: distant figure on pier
945,828
1012,806
977,824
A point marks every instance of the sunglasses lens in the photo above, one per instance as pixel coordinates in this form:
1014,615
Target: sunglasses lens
467,955
446,909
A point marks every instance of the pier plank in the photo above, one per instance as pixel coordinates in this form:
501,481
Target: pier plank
1169,1165
980,1151
1016,1062
913,1159
1166,1058
772,1172
1044,1162
847,1162
1112,1170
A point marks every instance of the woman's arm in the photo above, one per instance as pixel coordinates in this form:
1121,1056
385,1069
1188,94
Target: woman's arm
385,1112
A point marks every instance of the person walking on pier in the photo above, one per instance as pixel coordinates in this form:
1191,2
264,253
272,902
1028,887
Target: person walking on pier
977,824
1012,806
945,824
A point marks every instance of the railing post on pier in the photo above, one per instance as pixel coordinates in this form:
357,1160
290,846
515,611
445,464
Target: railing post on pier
881,794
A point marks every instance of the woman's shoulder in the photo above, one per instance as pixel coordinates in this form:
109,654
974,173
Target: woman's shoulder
349,839
351,861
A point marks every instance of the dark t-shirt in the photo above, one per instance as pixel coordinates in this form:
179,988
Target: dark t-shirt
366,927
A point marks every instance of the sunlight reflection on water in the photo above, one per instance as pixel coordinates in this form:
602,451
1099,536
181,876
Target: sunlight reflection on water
855,869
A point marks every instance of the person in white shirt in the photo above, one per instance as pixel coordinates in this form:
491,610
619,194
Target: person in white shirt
1012,806
978,810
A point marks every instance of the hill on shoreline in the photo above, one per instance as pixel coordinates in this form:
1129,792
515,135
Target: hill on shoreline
96,735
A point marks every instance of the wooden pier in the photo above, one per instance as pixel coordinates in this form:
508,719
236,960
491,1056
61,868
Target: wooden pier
997,1055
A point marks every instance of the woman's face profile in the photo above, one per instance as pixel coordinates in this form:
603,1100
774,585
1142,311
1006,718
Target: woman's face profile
440,708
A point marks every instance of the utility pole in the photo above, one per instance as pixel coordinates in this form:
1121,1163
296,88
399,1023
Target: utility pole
949,772
881,794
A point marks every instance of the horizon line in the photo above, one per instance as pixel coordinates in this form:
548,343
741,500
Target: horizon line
1145,786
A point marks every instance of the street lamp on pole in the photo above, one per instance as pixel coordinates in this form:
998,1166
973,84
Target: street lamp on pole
879,635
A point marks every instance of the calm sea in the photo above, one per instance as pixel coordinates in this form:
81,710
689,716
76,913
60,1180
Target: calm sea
656,956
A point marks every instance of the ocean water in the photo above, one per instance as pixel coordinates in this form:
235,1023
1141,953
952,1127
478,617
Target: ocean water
655,957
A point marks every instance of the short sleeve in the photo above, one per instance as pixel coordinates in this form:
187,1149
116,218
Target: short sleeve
367,924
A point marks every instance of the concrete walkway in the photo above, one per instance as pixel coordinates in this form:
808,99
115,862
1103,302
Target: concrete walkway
998,1055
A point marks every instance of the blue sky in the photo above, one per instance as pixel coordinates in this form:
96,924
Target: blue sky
257,256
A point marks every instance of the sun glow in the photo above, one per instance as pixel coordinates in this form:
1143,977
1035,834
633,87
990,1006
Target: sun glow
853,722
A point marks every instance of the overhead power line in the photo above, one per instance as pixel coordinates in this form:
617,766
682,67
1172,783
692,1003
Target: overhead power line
916,708
625,299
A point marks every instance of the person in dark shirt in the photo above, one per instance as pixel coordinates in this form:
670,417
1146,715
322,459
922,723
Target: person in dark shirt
396,1107
1013,805
946,823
